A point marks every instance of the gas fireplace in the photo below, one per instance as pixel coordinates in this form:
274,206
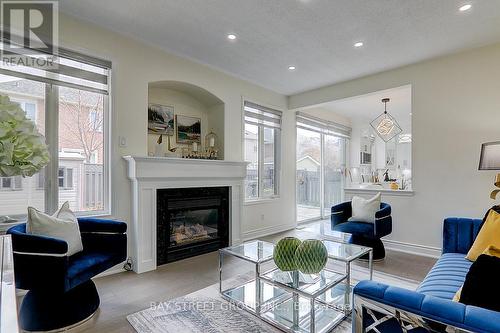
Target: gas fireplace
191,221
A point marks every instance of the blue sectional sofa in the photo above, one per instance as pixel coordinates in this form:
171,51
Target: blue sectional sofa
430,308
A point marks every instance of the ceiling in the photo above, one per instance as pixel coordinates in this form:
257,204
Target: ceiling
316,36
367,107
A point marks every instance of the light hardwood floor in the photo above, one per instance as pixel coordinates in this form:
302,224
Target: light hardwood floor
126,293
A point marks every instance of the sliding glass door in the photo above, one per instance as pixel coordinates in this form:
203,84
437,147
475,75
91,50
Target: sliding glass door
308,175
321,156
334,155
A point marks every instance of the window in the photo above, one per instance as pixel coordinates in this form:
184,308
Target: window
321,160
71,109
262,149
11,183
65,178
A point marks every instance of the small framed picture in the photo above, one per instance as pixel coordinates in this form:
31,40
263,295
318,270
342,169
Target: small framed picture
188,129
160,119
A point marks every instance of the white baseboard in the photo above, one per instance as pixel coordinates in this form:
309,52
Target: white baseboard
266,231
421,250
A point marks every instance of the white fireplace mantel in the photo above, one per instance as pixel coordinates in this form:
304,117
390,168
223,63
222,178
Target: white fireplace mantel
147,174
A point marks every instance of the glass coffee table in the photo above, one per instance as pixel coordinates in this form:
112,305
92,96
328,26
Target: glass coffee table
248,292
293,301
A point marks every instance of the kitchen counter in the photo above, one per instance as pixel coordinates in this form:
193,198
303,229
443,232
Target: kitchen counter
368,189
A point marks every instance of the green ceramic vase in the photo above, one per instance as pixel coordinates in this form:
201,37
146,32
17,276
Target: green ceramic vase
311,256
284,253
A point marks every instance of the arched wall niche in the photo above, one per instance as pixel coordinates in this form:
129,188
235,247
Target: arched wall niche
190,101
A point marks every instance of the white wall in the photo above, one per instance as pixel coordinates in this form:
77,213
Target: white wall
134,66
325,114
456,107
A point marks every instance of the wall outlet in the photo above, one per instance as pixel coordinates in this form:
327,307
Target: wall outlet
262,217
122,142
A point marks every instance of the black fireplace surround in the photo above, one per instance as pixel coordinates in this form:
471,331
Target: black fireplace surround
191,221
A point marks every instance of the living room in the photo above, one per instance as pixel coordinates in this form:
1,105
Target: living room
270,122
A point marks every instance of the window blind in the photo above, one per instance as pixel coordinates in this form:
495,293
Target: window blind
262,116
72,69
312,123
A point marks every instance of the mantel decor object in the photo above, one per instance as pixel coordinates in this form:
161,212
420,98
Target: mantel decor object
160,119
490,160
188,129
386,125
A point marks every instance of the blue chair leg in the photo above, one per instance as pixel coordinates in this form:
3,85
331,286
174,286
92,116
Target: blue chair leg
375,243
46,310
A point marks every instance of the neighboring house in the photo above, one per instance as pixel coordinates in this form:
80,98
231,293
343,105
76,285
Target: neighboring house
80,177
307,163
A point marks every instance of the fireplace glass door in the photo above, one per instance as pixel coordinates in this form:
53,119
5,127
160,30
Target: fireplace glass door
190,226
191,221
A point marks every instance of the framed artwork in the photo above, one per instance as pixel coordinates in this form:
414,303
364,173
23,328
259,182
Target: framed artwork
188,129
160,119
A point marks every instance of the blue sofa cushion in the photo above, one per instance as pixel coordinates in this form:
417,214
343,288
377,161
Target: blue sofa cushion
446,277
459,234
355,228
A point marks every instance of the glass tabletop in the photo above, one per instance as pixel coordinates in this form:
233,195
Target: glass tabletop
309,284
344,251
255,251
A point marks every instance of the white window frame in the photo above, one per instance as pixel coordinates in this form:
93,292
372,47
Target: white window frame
65,177
51,190
260,160
52,128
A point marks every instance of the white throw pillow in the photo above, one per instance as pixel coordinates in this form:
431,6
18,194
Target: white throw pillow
363,210
62,225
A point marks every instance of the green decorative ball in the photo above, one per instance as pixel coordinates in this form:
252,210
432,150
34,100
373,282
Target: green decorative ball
311,256
284,253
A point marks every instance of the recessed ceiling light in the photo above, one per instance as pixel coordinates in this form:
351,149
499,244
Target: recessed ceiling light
292,68
358,44
465,8
231,36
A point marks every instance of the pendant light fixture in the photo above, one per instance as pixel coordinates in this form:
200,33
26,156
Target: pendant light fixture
386,125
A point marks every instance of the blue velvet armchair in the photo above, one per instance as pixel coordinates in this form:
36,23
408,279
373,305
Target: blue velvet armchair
378,306
61,292
362,233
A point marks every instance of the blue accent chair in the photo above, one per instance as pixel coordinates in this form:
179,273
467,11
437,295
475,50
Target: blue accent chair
61,292
430,307
362,233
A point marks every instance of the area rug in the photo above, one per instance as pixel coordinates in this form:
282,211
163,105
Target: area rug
204,311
